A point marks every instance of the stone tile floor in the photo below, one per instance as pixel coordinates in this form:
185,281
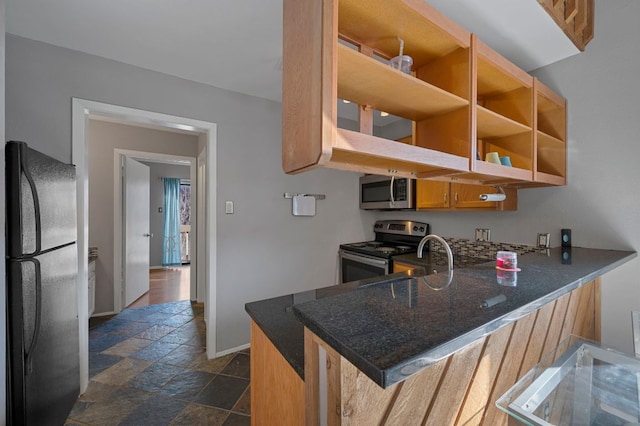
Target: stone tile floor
147,366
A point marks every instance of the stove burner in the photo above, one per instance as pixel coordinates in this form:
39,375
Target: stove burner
404,247
386,249
374,244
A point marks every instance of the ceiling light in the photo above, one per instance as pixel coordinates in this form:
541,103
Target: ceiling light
384,114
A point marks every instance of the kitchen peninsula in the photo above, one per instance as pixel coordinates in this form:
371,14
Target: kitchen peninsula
411,348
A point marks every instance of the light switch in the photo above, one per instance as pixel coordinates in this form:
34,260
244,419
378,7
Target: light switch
228,207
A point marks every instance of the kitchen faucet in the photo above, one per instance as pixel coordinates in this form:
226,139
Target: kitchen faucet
441,241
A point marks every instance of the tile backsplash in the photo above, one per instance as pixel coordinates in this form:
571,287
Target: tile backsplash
484,249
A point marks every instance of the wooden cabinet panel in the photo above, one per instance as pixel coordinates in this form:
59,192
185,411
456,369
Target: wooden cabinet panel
277,392
401,267
432,195
468,196
456,196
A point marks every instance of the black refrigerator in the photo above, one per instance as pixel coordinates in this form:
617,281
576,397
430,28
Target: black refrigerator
42,313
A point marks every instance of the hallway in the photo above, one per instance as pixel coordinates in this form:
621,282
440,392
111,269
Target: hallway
147,366
166,285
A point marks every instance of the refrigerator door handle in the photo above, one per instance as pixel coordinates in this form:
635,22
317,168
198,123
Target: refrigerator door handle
36,201
28,352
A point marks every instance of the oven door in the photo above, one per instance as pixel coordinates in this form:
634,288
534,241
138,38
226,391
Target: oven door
355,266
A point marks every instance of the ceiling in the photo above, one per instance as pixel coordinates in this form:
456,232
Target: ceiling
236,45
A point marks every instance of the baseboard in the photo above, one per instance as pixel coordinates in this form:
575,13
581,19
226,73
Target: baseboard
168,267
233,350
103,314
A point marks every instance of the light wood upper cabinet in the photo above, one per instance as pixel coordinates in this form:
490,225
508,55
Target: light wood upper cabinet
463,98
432,195
438,195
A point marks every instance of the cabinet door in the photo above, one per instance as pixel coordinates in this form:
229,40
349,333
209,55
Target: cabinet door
468,196
401,267
432,194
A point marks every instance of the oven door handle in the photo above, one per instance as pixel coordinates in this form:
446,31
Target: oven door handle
363,259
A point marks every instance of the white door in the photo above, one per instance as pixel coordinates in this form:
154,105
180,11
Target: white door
136,230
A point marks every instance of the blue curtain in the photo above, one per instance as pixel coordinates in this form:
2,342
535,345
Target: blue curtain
171,240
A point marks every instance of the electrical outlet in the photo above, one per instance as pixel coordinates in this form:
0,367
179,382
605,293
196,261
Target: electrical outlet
483,234
543,240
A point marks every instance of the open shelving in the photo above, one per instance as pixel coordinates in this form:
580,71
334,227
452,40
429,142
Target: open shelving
504,114
412,98
551,134
463,98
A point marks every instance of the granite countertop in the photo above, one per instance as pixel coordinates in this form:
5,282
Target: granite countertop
277,320
394,326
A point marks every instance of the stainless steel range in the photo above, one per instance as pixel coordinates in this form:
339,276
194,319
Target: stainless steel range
370,259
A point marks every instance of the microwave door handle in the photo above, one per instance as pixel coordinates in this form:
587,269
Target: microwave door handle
393,200
365,260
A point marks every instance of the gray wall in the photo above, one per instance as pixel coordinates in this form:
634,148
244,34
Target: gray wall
601,202
156,199
263,251
103,138
3,291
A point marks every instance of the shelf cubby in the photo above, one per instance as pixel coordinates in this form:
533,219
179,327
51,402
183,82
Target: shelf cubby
387,89
504,117
551,146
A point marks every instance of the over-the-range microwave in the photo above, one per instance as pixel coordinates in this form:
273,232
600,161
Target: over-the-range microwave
387,193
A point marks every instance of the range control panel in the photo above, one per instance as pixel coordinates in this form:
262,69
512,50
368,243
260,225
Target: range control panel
401,227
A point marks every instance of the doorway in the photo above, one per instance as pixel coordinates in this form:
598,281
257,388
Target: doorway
82,110
165,283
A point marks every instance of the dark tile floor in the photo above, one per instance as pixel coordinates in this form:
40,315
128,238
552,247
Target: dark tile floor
147,366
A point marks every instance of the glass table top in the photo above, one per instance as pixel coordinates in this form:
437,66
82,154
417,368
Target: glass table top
579,383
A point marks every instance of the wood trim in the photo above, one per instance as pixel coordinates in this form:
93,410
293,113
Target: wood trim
329,81
302,82
597,305
574,17
473,101
365,112
355,142
334,384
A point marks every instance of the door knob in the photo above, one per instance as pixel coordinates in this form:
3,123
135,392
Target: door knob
148,235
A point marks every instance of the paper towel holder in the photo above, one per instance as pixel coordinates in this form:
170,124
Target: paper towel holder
303,204
316,196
